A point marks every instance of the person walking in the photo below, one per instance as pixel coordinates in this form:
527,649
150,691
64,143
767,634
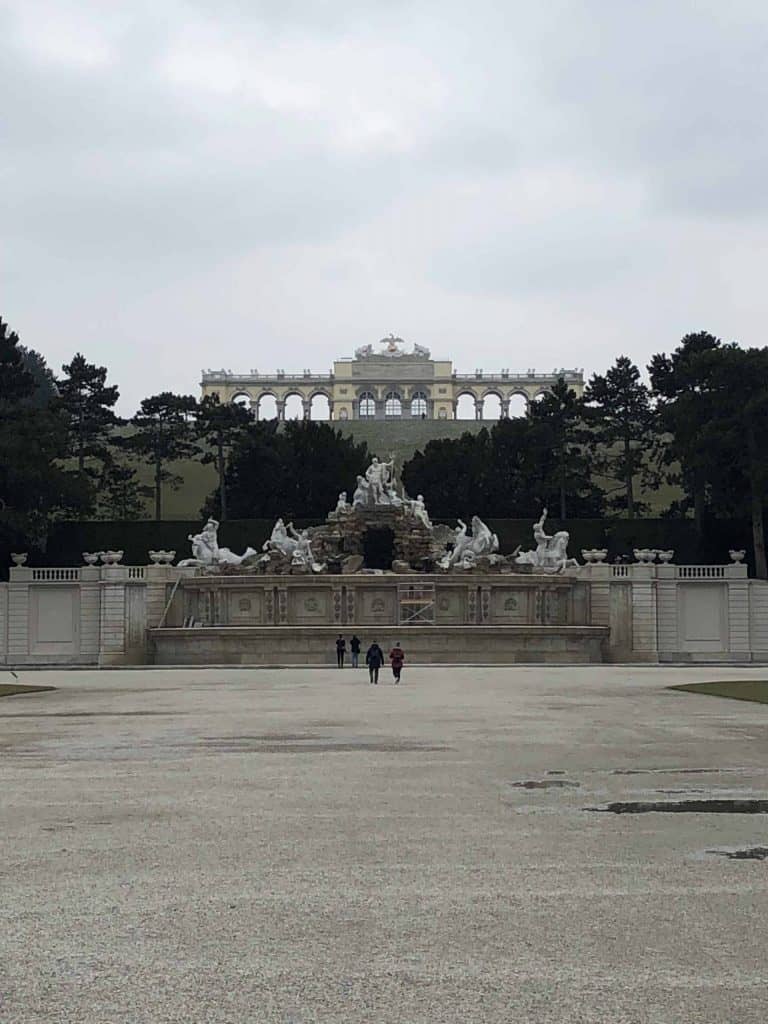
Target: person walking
397,657
341,650
354,647
374,659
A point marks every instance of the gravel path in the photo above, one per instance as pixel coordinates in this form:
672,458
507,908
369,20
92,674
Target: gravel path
299,846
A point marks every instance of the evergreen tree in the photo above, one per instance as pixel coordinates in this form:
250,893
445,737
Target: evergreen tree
735,437
560,435
294,470
163,432
121,496
619,411
685,406
87,403
221,427
16,382
45,389
34,489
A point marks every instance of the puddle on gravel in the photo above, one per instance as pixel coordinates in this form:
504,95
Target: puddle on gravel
685,807
545,784
676,771
752,853
308,744
98,714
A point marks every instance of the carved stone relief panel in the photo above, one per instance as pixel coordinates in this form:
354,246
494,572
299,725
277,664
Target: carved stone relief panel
451,605
510,606
246,607
377,606
309,605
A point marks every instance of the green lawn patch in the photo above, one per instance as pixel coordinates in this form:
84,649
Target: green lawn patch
741,689
9,689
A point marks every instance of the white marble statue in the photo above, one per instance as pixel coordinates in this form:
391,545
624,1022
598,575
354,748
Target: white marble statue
420,350
551,554
302,553
363,351
342,505
362,493
280,540
467,548
206,550
419,510
380,482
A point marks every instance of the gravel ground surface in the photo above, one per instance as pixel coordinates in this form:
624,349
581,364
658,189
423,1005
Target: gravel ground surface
296,846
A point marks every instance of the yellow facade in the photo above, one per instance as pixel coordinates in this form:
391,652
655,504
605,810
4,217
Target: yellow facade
389,384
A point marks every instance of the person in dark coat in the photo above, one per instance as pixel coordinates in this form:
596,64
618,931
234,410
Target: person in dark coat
374,659
397,657
341,649
354,647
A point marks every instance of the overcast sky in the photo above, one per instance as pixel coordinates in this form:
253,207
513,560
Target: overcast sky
263,183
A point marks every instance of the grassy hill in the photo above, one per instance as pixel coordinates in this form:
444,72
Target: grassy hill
403,437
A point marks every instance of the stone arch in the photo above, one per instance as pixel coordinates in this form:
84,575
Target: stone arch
419,403
492,407
243,398
294,410
266,406
366,405
466,405
517,405
319,405
393,405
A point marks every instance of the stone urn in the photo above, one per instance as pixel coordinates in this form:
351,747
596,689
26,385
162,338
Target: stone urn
162,557
737,556
91,557
111,557
599,554
18,558
586,554
665,557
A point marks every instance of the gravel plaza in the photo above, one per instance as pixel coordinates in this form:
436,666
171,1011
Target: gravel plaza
296,846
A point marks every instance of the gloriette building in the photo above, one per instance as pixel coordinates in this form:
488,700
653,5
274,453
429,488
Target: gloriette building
385,382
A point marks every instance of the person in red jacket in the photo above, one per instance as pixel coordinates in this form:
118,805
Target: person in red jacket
397,657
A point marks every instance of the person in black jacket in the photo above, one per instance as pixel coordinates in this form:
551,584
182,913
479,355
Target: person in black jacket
354,647
374,659
341,649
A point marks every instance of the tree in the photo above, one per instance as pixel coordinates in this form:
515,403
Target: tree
163,432
681,384
87,403
453,473
735,437
292,470
513,470
16,382
45,389
560,435
34,488
221,427
621,417
120,496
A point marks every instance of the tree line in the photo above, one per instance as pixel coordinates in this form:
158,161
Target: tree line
701,422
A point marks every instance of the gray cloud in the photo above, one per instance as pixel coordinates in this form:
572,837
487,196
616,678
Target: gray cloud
181,188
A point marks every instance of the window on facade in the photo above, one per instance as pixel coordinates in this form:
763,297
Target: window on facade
367,404
392,404
419,404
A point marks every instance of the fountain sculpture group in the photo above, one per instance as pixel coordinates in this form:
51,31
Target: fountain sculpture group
419,545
